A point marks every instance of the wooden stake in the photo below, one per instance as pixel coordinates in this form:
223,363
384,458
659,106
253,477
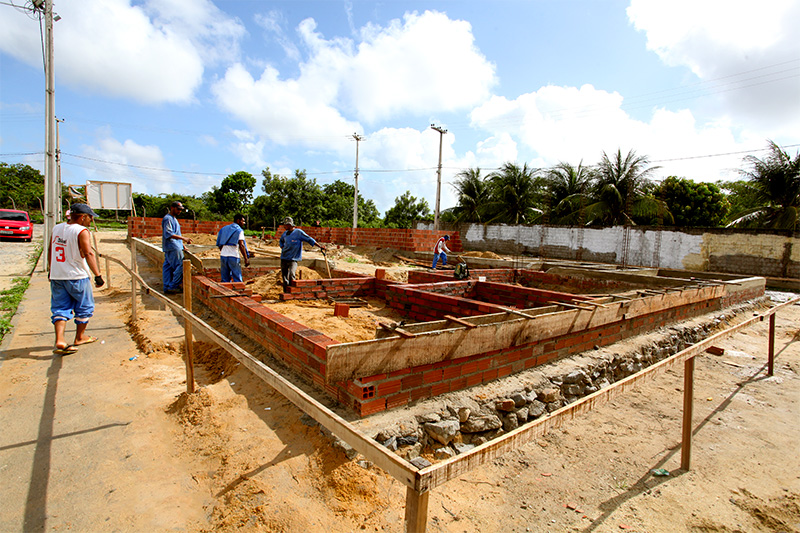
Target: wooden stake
464,323
416,511
688,408
133,281
108,273
771,351
187,326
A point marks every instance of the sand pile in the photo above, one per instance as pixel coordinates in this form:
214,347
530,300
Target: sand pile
385,255
270,287
485,255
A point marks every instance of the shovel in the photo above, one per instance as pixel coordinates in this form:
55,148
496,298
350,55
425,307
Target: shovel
327,266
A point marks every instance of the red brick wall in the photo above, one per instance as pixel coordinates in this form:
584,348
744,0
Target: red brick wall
151,227
402,239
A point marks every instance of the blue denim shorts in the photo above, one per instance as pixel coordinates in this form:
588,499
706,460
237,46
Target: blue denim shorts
71,298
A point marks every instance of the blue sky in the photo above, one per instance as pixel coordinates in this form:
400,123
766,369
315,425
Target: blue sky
173,95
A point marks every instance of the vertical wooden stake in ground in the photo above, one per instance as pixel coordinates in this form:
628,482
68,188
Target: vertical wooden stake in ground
688,408
187,326
108,274
416,511
133,280
771,353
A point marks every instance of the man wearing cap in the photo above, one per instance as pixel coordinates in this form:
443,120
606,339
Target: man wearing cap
291,243
71,259
230,241
440,251
172,245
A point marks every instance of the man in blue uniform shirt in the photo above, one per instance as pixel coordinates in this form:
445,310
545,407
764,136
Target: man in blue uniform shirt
172,245
230,241
291,243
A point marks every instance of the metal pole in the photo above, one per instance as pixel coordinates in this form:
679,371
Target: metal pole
358,139
50,191
438,177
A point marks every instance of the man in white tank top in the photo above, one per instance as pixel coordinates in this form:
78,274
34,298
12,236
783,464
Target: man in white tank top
71,261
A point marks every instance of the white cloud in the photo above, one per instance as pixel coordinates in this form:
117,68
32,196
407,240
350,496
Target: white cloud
113,48
391,71
745,52
569,124
273,23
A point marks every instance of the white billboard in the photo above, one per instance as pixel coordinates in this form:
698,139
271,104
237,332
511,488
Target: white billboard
109,195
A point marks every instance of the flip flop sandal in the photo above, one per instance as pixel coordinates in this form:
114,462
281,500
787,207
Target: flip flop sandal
91,340
65,351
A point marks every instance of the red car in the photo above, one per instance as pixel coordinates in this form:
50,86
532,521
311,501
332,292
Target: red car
15,224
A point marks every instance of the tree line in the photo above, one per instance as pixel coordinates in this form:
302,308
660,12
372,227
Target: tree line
618,190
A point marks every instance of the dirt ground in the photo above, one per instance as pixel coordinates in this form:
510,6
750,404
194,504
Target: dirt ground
237,456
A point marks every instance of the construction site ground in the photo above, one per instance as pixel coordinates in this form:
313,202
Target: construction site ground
104,440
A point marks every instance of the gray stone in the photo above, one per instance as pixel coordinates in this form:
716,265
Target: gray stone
408,440
365,464
391,444
553,406
576,376
573,389
522,414
410,452
348,450
532,396
510,422
460,447
463,414
536,409
428,417
519,399
476,424
420,462
443,453
443,431
549,395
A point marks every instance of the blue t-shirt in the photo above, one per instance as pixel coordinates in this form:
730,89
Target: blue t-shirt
291,243
170,227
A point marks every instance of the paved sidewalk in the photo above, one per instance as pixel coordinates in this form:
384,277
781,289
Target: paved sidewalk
85,443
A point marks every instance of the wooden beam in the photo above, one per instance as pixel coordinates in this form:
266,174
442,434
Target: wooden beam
688,410
416,511
367,358
397,329
197,263
187,325
571,306
438,474
771,348
459,321
382,457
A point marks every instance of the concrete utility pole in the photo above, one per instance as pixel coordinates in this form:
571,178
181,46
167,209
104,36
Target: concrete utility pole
441,131
358,139
60,208
51,191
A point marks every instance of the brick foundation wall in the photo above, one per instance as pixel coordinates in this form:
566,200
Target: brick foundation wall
144,228
402,239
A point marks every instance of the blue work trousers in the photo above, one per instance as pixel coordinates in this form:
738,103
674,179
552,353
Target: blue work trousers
172,272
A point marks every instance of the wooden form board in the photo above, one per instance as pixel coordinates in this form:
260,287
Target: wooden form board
367,358
381,456
440,473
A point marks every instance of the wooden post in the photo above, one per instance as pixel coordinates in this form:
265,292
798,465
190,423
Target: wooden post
416,511
133,280
187,326
771,353
108,273
688,408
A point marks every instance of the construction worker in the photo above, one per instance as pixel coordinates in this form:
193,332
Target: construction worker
291,243
440,251
231,243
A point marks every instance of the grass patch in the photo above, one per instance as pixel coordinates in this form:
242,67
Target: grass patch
350,259
9,301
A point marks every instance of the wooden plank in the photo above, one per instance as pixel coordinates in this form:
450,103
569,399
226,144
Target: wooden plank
459,321
688,410
383,458
187,325
715,350
440,473
416,511
366,358
197,263
571,306
515,312
771,347
396,329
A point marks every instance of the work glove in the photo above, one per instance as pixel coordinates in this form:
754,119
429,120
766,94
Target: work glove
98,281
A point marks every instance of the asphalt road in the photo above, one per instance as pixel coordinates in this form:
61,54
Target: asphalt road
15,256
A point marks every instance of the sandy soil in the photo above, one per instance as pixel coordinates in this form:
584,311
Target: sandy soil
256,463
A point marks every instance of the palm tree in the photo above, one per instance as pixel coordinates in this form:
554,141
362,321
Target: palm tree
620,190
568,189
774,184
473,195
515,194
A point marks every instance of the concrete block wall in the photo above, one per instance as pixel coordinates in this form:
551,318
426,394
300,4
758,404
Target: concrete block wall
773,253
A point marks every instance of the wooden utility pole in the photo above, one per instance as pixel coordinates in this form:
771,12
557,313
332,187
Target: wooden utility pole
358,139
441,131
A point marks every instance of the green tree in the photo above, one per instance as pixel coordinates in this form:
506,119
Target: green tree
233,195
406,210
567,192
473,196
516,195
619,191
338,205
693,204
773,184
20,186
296,197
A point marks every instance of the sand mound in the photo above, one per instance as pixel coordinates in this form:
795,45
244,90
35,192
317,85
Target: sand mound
216,361
385,255
270,287
485,255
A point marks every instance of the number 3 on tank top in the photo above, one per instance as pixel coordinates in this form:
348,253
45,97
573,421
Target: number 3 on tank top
60,254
